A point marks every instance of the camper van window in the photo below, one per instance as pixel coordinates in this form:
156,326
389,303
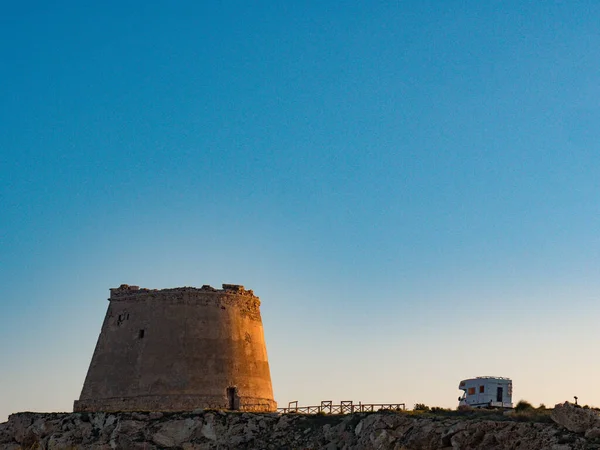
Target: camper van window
481,389
471,391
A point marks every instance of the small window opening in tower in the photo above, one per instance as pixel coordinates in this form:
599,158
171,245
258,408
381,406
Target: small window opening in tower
141,334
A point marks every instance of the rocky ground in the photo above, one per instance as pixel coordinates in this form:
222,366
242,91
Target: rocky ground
571,427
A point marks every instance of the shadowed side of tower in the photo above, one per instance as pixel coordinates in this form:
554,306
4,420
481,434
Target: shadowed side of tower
179,349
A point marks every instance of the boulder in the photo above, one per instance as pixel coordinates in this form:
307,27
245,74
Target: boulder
575,418
174,433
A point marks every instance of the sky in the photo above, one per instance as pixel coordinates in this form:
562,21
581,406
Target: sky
412,188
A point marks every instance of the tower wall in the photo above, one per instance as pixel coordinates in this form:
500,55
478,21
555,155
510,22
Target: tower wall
179,349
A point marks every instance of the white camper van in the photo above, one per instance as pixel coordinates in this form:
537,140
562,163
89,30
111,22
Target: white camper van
482,392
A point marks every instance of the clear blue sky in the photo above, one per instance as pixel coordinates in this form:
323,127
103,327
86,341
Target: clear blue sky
412,188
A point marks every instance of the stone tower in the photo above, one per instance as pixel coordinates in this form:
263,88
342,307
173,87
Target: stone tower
179,349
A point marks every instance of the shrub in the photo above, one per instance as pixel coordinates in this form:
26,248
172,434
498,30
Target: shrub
438,409
421,407
523,405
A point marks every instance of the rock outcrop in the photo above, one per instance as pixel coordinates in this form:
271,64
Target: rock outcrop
577,419
221,430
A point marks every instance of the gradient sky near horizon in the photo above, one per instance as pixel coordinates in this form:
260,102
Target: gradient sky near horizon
411,187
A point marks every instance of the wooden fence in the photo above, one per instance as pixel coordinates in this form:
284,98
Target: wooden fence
345,407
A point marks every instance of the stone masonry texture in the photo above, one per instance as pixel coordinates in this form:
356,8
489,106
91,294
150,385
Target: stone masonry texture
178,350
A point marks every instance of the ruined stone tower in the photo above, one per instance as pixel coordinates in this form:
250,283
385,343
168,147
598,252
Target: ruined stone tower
179,349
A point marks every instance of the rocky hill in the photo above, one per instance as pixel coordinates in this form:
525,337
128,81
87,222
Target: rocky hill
570,427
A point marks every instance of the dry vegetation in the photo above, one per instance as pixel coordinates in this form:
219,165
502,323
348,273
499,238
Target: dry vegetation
523,412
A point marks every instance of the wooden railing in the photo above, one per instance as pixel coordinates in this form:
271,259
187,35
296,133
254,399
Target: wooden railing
345,407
